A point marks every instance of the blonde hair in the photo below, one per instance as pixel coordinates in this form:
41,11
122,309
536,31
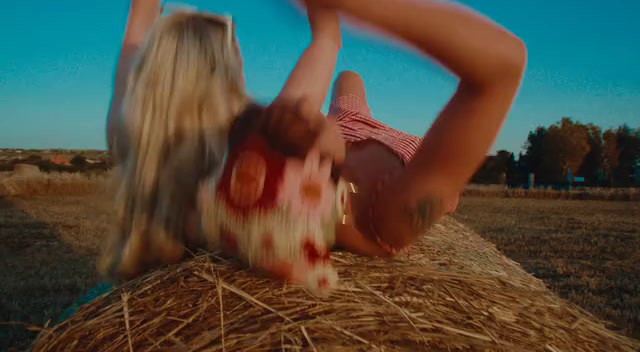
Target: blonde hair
183,93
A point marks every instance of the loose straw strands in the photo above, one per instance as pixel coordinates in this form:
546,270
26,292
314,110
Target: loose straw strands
454,292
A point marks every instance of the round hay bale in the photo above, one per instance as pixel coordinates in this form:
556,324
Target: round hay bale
454,292
25,170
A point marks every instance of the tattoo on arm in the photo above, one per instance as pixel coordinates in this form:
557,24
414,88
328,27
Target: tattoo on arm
423,213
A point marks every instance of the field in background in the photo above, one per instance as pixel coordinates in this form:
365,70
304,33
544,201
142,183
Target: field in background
52,183
48,248
590,193
36,183
586,251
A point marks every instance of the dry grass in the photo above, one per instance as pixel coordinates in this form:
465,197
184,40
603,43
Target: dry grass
586,251
48,247
590,193
54,183
455,292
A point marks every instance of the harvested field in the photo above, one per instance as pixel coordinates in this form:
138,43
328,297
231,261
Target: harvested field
455,291
585,251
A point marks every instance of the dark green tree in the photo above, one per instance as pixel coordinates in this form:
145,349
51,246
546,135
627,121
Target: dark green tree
532,160
593,165
79,163
611,155
628,145
551,152
495,169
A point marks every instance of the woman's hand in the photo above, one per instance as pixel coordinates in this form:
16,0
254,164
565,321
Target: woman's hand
330,142
294,128
289,128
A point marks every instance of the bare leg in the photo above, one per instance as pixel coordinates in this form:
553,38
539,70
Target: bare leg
349,83
370,157
365,162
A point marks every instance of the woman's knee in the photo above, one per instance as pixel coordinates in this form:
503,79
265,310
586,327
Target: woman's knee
349,75
349,83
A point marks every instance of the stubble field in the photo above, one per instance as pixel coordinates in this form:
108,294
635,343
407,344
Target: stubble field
586,251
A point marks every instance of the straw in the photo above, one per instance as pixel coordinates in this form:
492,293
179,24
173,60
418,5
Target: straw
454,292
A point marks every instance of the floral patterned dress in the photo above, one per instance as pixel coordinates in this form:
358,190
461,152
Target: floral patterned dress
276,213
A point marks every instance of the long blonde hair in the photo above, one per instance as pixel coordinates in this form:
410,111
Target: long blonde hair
183,93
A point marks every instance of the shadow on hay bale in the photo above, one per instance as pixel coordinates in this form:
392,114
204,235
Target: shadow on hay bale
470,298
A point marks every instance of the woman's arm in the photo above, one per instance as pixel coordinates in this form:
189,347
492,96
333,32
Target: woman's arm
490,63
311,78
294,118
142,15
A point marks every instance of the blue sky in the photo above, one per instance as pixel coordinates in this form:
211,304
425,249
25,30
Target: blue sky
57,60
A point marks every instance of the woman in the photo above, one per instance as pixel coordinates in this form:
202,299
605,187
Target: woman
397,198
179,90
406,184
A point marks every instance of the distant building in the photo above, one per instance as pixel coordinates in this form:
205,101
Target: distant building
60,160
95,160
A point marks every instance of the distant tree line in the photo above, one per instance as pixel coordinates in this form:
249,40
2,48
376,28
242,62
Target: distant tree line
605,159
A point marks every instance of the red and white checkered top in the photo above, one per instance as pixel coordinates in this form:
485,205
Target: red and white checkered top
354,119
356,124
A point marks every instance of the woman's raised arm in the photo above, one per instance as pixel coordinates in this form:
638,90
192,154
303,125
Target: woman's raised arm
295,114
142,15
311,77
490,63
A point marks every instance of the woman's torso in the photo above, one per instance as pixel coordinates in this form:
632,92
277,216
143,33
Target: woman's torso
368,161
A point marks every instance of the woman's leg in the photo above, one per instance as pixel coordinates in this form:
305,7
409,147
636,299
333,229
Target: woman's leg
349,83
